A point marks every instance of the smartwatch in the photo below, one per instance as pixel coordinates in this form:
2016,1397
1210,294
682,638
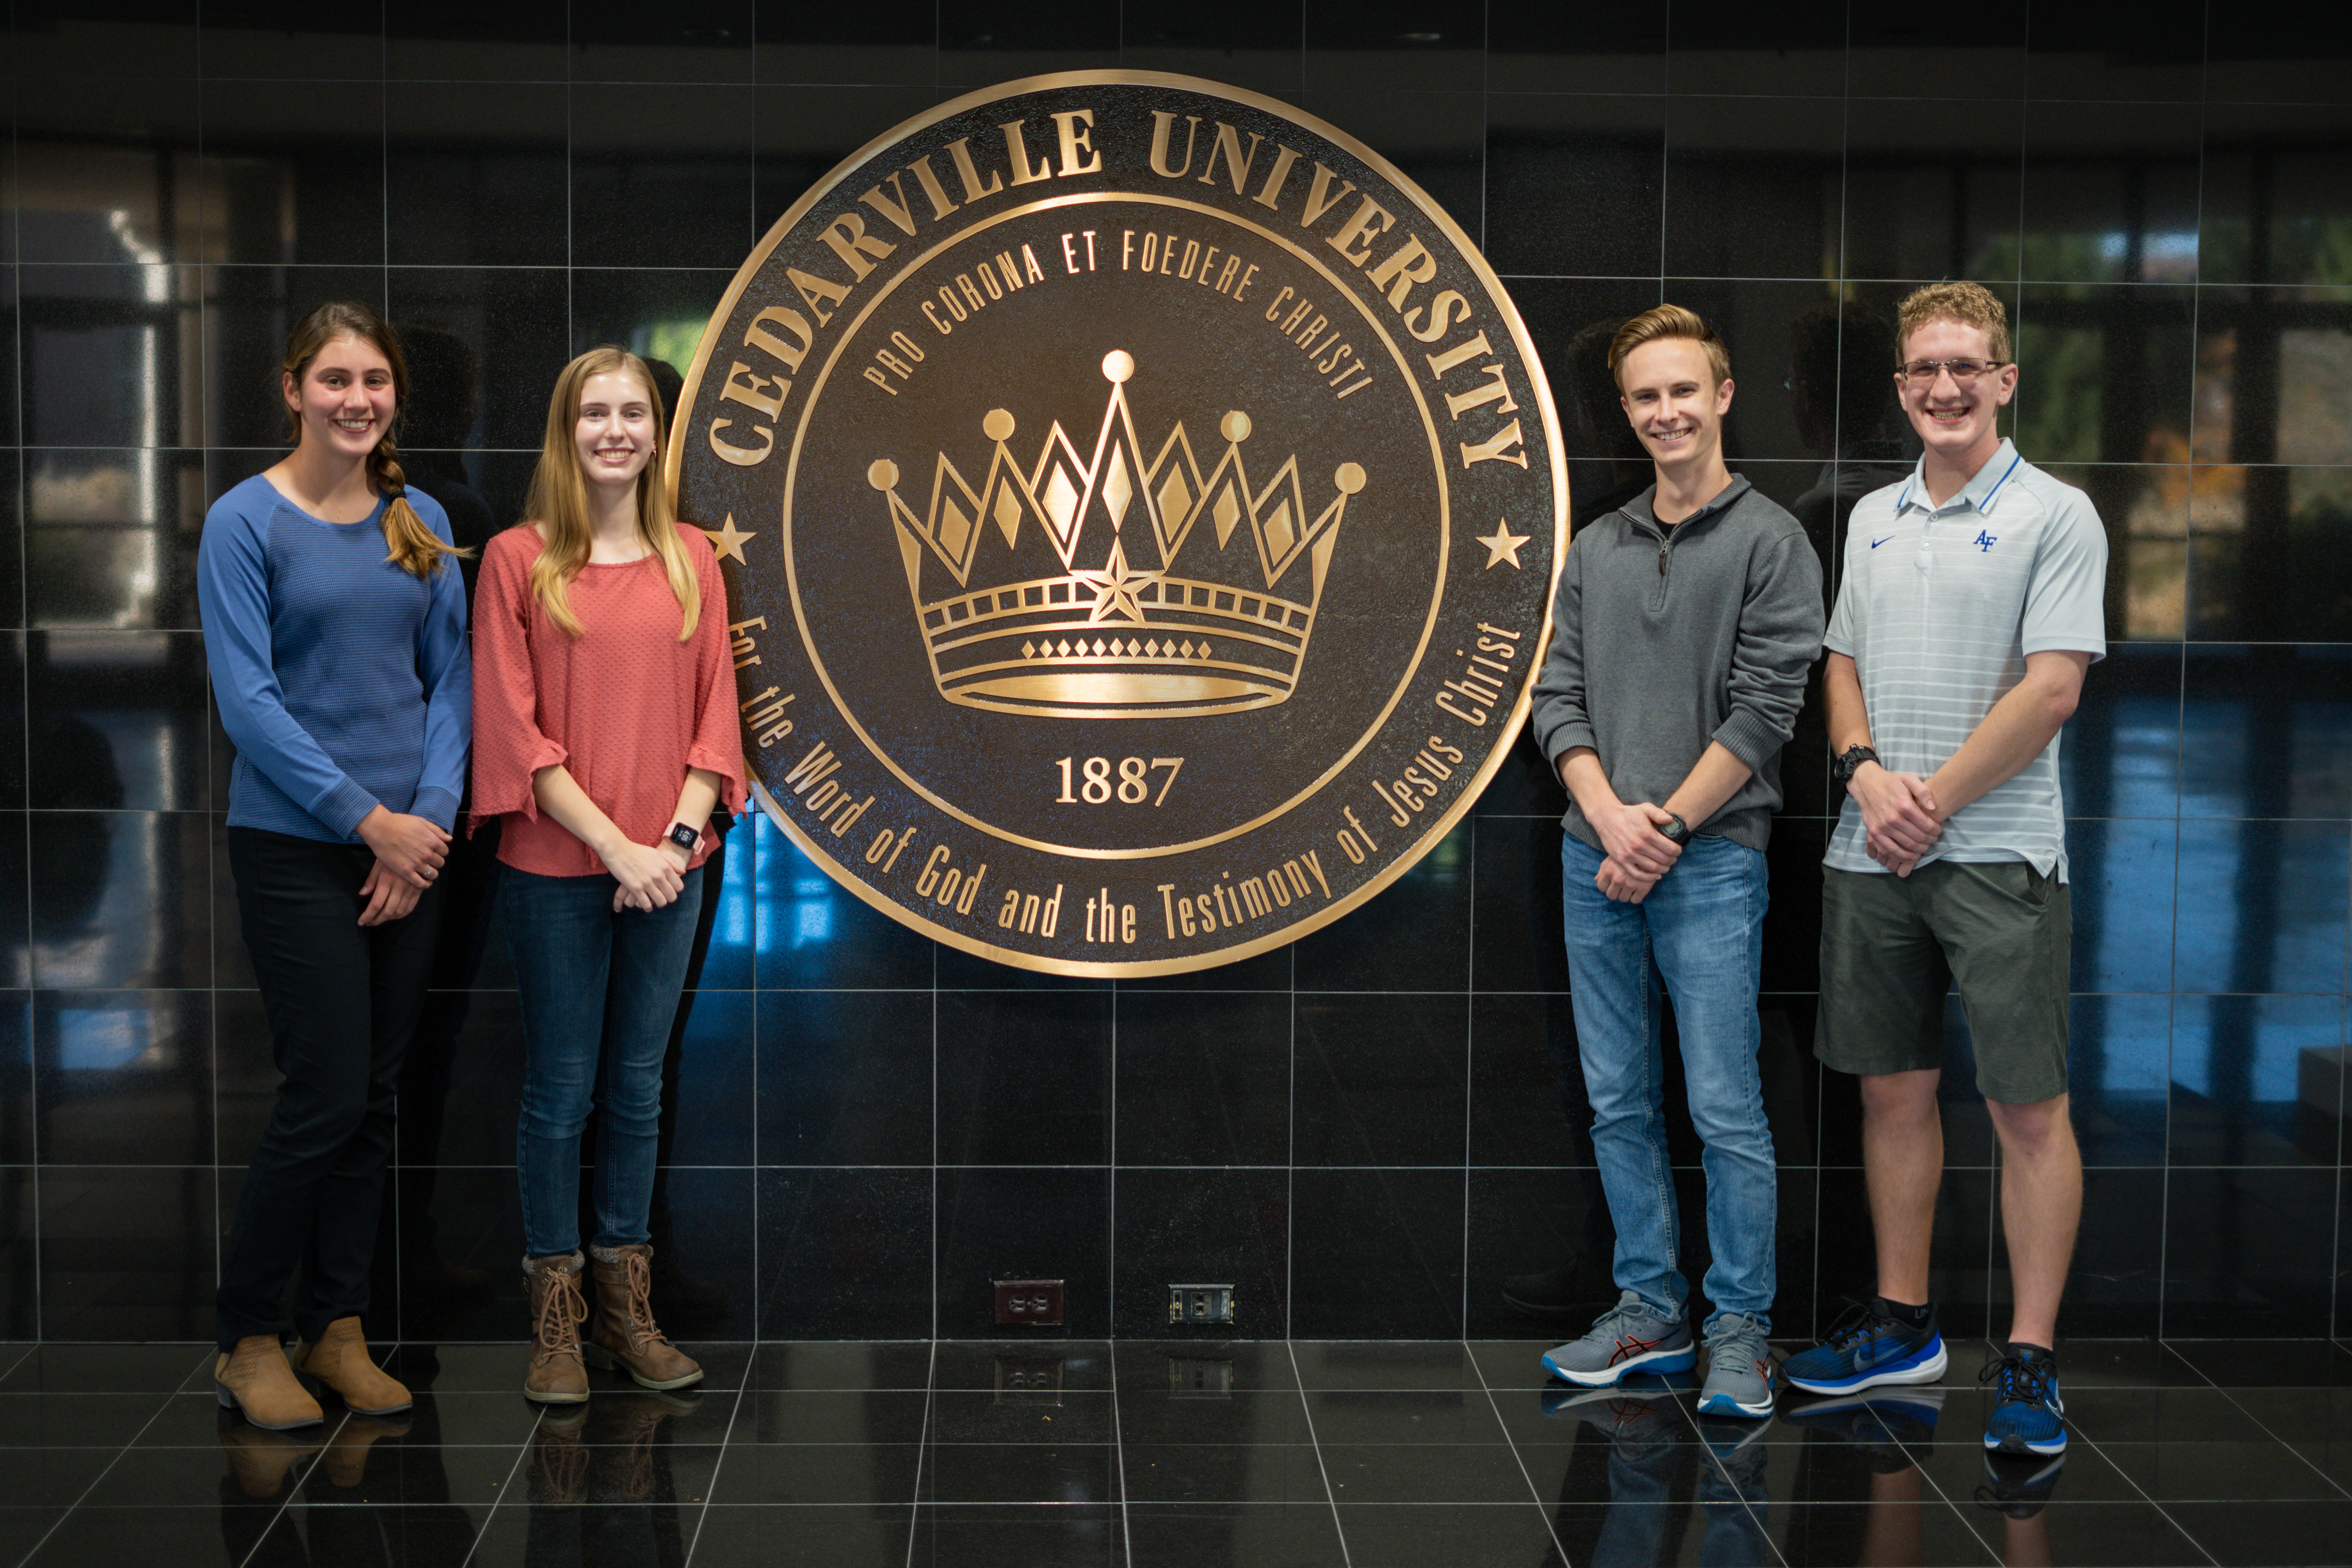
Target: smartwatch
1850,764
685,838
1676,832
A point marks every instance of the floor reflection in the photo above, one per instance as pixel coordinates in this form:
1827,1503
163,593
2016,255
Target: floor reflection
1666,1475
1263,1454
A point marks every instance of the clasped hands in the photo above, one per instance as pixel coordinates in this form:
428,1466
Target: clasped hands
1898,815
1637,853
409,854
651,876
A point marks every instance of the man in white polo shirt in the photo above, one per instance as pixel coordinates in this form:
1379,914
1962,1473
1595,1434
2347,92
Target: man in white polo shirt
1968,611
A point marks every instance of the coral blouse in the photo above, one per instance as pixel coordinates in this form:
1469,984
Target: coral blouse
624,706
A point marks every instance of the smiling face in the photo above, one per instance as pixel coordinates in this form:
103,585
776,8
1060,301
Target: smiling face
1673,400
615,430
344,396
1958,423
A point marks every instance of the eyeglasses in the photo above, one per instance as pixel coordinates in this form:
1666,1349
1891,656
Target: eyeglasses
1922,371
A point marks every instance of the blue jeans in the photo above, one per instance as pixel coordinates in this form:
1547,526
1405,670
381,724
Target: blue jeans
599,991
1704,926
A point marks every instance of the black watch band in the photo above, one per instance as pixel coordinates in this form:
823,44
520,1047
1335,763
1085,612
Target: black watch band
685,838
1676,831
1850,762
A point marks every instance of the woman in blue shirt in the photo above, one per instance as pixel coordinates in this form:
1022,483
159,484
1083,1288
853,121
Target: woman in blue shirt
335,627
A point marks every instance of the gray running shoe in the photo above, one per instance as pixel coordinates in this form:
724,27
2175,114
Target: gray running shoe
1629,1337
1738,1369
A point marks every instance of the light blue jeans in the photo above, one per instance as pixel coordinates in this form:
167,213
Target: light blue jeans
1702,930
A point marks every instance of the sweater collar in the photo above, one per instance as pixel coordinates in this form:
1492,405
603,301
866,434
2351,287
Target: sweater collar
1643,508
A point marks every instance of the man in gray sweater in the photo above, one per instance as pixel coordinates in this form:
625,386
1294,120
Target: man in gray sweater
1683,628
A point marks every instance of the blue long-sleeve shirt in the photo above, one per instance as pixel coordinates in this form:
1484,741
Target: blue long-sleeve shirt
344,680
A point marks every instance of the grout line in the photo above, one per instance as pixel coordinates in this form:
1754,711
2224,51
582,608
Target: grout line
1290,1348
2225,1392
1119,1455
710,1489
1707,1450
506,1490
1543,1503
1469,1068
923,1444
2085,1438
164,1404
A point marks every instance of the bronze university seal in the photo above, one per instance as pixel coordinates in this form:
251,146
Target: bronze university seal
1140,506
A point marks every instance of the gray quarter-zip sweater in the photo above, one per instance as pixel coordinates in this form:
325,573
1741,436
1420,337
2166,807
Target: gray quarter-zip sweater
1666,638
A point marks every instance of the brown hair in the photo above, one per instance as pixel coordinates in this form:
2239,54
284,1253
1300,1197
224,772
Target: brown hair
557,500
1971,304
1669,321
414,548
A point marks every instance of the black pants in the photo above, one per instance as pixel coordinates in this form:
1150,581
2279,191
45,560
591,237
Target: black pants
343,1001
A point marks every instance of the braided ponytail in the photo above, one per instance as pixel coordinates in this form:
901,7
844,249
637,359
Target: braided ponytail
414,548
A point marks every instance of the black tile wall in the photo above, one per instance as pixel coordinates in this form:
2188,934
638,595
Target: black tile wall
1359,1132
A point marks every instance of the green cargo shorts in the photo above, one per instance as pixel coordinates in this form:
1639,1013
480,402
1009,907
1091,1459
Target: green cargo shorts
1892,946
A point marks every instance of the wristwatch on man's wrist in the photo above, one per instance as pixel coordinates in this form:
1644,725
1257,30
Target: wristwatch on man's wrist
684,836
1676,831
1851,762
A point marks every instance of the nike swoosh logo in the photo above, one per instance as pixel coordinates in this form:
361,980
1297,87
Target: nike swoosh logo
1876,543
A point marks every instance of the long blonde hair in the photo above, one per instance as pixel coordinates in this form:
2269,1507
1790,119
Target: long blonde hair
557,500
414,548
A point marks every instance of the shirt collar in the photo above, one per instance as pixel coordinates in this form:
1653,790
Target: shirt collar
1982,492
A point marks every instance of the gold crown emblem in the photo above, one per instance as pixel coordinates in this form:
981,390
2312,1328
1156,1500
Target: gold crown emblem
1170,622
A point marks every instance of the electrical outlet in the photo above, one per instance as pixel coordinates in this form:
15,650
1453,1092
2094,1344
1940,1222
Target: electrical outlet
1199,1303
1036,1302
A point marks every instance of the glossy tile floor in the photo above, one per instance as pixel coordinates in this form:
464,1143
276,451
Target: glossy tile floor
1438,1454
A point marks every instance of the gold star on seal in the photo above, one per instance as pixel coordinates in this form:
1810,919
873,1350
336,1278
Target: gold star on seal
1503,546
729,540
1115,586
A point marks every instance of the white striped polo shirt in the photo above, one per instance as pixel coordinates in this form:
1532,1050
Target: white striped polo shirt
1939,607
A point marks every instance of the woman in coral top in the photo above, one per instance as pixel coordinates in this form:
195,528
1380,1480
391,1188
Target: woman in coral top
605,732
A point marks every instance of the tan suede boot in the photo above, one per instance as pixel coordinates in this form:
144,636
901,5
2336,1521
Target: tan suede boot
253,1378
557,1310
339,1360
624,1334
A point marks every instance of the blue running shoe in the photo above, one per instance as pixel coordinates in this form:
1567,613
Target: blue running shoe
2028,1416
1866,1349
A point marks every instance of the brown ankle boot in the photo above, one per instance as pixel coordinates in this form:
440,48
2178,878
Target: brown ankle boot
339,1360
255,1378
557,1310
624,1334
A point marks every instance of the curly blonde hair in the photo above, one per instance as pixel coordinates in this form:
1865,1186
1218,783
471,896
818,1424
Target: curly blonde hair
1969,304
